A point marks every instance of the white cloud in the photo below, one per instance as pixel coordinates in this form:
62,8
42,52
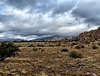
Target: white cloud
37,19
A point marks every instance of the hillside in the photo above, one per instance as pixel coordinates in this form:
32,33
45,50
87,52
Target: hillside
90,36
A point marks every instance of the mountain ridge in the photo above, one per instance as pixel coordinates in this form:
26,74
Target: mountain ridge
50,38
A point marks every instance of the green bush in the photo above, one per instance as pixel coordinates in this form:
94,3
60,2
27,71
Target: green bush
7,49
64,50
75,54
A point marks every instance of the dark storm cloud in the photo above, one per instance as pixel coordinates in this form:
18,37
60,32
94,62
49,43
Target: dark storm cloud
33,5
56,6
89,10
21,3
29,19
64,6
5,18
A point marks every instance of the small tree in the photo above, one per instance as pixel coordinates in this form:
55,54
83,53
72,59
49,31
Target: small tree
7,49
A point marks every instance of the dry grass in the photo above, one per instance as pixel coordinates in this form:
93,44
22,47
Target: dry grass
48,60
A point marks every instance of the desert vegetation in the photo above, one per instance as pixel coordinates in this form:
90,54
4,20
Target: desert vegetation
75,54
78,56
49,59
7,49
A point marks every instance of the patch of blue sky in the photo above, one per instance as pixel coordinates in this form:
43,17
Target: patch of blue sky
1,10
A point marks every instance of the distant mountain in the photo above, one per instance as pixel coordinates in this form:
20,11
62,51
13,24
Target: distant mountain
51,38
69,37
10,39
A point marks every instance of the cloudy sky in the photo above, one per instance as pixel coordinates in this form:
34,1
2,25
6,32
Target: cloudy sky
30,19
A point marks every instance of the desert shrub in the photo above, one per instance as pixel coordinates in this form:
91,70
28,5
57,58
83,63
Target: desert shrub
51,45
7,49
75,54
98,43
64,50
87,42
79,46
64,46
82,46
42,50
74,44
39,48
19,46
31,45
40,45
45,43
35,49
58,44
94,47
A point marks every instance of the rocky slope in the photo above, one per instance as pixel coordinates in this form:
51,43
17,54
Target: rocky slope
86,36
90,36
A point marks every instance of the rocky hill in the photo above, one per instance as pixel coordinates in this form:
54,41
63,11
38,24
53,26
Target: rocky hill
86,36
89,36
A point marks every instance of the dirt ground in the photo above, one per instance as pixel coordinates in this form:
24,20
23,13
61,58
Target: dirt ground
46,59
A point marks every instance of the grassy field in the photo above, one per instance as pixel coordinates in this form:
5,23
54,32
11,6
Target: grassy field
48,59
